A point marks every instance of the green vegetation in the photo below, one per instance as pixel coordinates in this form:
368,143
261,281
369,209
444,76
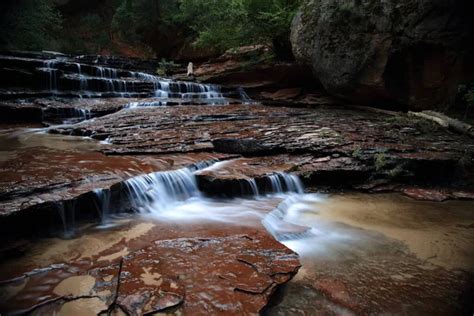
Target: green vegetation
164,67
133,19
381,161
220,24
216,24
30,24
357,153
397,122
233,23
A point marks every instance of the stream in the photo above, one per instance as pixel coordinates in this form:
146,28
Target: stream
124,193
358,251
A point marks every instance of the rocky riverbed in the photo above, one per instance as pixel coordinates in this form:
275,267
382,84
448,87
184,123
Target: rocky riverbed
123,192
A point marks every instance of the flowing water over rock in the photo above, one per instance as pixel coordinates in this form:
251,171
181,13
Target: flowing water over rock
72,76
372,254
346,235
188,198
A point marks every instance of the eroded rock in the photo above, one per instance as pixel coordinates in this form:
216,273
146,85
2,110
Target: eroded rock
221,274
406,54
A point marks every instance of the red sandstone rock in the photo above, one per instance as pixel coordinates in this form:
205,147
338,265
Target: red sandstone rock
229,275
426,194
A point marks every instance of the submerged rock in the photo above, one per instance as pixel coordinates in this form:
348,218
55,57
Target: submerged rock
159,269
404,53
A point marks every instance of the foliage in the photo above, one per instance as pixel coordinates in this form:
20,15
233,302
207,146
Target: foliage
220,24
400,121
469,97
381,161
30,24
231,23
215,24
357,153
164,67
134,20
90,36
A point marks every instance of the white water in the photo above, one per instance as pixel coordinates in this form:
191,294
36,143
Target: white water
103,204
284,182
127,83
49,66
284,221
156,192
175,196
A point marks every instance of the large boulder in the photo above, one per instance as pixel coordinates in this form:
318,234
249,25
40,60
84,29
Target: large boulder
408,54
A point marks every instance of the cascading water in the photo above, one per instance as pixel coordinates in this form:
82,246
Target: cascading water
254,187
95,80
49,66
157,191
284,182
82,79
74,115
132,105
105,72
279,221
103,204
67,213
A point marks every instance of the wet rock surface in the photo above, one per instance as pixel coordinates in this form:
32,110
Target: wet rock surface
152,267
188,252
381,253
37,175
375,256
326,145
39,169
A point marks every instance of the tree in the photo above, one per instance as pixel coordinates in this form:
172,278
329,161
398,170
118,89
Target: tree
134,19
231,23
30,25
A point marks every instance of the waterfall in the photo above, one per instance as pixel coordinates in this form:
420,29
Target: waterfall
165,88
284,221
77,114
52,72
284,182
67,214
103,203
254,187
105,72
95,80
82,79
157,191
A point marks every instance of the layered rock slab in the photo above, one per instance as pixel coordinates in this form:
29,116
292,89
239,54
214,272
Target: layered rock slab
39,175
345,141
175,272
215,272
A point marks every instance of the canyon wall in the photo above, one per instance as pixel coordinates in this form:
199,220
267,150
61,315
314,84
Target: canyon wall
402,54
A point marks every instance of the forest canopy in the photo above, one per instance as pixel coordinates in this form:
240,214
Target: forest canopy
211,24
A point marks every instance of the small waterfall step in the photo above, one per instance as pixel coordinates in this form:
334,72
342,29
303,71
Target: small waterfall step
65,76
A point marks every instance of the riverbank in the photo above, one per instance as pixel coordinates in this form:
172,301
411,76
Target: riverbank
124,191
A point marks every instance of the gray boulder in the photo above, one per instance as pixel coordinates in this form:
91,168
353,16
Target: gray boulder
408,54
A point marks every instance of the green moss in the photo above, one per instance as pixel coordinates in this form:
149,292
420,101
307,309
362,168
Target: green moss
396,172
381,161
357,153
401,121
164,67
